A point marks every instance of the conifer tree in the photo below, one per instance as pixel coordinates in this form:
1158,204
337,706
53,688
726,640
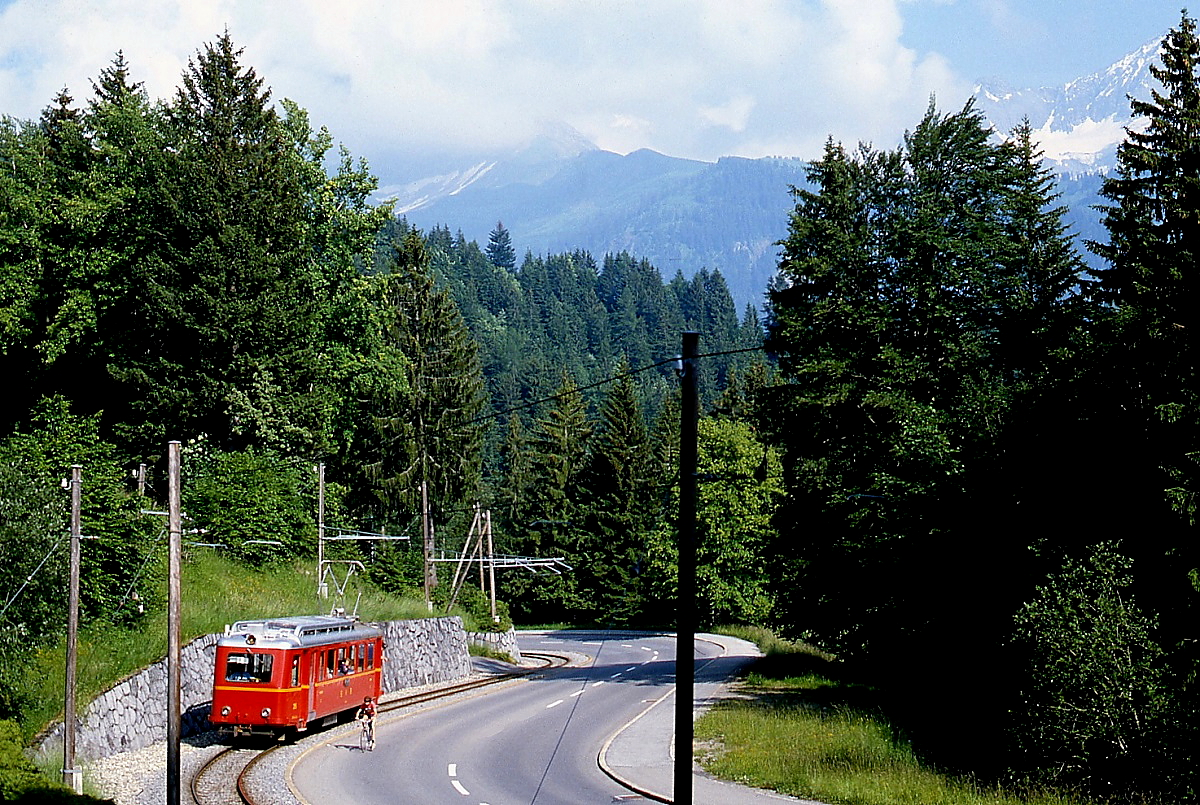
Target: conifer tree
430,432
544,522
500,248
620,490
1153,280
228,319
903,280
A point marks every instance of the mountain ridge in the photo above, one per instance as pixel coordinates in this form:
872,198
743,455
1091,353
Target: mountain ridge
560,192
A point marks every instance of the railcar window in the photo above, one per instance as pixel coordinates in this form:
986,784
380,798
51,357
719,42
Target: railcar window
370,655
244,666
362,650
295,671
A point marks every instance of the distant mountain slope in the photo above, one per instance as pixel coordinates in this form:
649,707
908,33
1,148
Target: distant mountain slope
680,214
561,193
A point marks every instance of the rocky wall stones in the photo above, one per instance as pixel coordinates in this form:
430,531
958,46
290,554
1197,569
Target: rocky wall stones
133,713
501,642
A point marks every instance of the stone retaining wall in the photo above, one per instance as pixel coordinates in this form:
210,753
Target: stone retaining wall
503,642
133,713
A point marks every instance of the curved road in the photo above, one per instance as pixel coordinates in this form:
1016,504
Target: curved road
533,743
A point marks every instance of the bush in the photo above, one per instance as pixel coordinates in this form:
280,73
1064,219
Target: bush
21,782
1094,690
247,501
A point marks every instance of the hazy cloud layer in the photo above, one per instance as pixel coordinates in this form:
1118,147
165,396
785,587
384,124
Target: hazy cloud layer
688,78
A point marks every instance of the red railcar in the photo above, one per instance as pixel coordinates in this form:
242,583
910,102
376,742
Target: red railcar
286,674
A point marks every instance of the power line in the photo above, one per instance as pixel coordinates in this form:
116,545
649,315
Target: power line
612,379
31,576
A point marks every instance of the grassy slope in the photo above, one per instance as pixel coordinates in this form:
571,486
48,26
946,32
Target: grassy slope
801,731
214,592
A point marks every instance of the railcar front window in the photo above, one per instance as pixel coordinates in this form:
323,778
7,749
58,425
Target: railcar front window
244,666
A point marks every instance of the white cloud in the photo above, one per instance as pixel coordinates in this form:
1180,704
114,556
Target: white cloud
733,115
692,78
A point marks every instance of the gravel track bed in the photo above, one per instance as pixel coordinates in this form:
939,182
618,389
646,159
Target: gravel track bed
140,778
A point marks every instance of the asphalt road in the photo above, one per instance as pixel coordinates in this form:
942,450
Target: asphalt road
532,743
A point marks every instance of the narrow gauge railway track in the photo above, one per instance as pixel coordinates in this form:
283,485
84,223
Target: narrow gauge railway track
549,660
223,779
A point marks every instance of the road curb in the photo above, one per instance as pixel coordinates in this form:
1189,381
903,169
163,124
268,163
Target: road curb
602,757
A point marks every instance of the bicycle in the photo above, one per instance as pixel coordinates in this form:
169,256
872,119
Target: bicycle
366,737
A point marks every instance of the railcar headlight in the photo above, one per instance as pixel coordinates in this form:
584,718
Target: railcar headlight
266,711
225,710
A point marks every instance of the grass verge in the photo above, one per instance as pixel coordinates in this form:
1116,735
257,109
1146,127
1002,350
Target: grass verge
795,728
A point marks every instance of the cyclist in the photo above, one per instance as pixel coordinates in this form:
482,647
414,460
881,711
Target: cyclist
366,715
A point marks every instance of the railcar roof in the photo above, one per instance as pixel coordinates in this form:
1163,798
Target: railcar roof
302,629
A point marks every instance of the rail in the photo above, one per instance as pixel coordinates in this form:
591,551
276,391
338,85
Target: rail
224,778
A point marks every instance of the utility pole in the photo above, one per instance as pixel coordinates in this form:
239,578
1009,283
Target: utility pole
174,561
491,565
427,546
71,776
685,619
322,587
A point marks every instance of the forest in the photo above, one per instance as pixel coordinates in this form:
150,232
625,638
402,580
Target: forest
947,453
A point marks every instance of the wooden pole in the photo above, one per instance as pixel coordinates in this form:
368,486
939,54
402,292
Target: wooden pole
72,776
174,562
685,636
491,565
427,546
322,587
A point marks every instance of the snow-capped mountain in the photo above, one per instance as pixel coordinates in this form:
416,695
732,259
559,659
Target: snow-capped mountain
1079,124
560,192
535,162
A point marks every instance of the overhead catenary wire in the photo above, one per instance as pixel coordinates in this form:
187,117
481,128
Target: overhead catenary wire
579,390
31,576
674,359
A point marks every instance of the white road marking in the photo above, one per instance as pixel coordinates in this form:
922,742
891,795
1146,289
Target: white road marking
554,704
645,648
617,674
601,682
452,769
459,788
631,668
626,645
576,693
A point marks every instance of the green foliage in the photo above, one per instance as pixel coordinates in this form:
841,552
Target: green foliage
499,249
924,324
1151,280
434,437
542,518
20,780
617,506
257,506
34,521
1094,693
741,484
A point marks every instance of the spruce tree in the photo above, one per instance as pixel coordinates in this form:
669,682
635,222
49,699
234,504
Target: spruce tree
227,320
1152,278
430,432
620,489
500,248
544,521
904,280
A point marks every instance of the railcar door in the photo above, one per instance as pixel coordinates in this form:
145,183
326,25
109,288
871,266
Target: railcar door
313,659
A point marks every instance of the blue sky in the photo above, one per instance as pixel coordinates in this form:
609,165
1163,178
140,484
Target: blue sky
400,81
1035,43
